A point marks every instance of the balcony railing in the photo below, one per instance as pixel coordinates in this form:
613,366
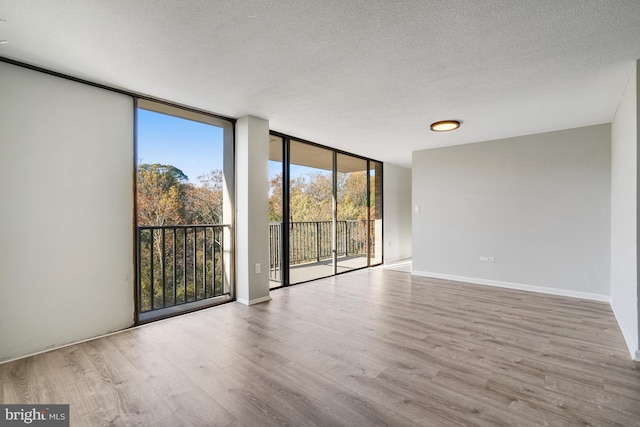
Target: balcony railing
183,264
312,241
180,264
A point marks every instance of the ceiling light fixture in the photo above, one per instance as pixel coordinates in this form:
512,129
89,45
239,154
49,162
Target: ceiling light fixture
445,125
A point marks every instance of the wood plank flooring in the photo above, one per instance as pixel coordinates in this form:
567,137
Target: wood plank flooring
368,348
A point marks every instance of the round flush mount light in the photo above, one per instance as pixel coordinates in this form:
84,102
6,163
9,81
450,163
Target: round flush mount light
445,126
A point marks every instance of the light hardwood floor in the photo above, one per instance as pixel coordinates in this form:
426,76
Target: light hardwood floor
368,348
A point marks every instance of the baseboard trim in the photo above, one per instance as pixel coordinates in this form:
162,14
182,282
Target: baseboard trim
388,261
61,346
253,301
634,352
517,286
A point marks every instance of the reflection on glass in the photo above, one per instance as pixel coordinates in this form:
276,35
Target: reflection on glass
352,212
310,212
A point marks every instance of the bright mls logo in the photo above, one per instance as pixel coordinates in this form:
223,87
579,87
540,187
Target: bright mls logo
34,415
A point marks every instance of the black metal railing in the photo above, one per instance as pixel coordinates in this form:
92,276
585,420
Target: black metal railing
311,241
179,264
275,242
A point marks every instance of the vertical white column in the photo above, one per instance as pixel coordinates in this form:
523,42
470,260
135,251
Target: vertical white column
252,210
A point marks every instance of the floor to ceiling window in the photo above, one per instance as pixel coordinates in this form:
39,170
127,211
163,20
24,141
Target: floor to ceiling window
375,212
324,211
311,205
352,213
184,175
276,198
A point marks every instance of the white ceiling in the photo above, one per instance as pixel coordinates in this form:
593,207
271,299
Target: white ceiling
366,76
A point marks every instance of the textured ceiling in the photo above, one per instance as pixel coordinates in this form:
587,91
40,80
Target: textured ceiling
366,76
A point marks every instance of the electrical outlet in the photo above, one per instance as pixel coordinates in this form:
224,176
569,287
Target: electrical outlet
257,268
487,259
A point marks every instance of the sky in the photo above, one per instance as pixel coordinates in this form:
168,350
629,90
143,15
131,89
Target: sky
193,147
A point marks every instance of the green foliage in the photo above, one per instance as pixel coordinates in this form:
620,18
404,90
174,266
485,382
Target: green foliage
275,198
311,197
190,265
204,201
165,197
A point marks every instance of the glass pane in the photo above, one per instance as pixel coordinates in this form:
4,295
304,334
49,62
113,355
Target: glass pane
375,213
183,192
275,211
311,212
352,229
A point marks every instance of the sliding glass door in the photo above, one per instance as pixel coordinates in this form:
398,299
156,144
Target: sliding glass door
276,208
375,213
325,211
352,213
310,212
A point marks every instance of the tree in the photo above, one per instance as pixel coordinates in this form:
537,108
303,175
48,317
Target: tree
165,197
161,194
275,198
204,201
352,196
311,197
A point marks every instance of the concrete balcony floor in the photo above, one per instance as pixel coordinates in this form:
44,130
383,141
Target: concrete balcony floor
316,270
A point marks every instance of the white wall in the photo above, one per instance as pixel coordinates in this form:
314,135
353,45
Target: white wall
538,204
252,210
624,214
66,223
397,212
